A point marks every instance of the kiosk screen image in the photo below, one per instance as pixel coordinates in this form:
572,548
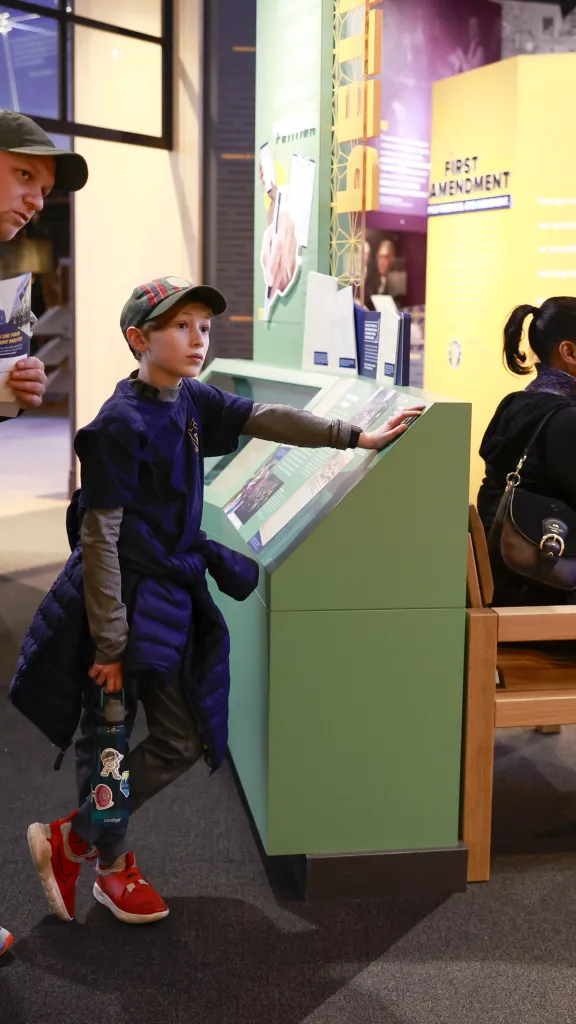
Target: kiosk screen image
262,391
280,501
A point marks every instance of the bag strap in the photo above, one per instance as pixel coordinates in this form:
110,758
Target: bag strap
513,479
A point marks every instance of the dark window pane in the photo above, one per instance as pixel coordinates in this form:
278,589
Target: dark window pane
61,141
28,63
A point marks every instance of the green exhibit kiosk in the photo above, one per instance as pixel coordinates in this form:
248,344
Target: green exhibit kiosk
347,663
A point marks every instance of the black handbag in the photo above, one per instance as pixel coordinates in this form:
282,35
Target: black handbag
535,536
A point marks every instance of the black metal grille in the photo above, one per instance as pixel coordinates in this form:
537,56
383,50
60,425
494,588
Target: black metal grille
229,111
65,124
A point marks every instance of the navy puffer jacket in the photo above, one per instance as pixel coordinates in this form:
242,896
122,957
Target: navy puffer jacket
173,621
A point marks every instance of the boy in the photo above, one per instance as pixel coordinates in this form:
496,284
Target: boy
141,564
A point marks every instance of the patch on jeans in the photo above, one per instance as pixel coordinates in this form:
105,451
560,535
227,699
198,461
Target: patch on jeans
125,784
103,797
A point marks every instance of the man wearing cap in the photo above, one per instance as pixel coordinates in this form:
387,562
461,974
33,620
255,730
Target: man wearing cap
139,577
30,167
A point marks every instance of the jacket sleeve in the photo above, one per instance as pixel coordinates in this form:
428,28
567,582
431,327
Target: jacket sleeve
103,583
560,445
109,453
285,425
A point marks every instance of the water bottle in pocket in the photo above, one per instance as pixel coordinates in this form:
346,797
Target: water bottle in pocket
110,775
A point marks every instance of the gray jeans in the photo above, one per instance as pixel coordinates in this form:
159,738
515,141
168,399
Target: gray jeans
172,746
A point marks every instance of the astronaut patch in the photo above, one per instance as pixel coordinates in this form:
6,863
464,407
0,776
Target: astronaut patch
111,760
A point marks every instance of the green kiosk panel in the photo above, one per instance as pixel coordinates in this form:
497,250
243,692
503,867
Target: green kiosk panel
347,663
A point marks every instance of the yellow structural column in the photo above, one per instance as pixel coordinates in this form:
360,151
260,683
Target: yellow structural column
359,105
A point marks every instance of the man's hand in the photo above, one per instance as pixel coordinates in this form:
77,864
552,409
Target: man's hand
390,430
28,382
109,674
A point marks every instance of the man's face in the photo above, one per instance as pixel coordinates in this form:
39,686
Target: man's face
25,181
384,258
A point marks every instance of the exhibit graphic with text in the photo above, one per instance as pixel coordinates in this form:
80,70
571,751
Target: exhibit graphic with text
292,179
439,39
520,245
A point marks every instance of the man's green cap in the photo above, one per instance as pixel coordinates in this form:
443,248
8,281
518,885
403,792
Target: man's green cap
20,134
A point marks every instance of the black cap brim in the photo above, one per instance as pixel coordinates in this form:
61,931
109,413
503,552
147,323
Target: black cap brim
203,294
71,168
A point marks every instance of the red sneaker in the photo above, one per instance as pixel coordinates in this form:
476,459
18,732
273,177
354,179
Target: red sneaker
123,889
58,854
6,941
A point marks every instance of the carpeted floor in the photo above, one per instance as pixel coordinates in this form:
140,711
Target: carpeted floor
237,947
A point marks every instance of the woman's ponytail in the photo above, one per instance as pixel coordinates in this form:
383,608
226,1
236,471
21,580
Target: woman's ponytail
513,334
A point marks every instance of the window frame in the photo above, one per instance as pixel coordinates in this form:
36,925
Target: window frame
65,124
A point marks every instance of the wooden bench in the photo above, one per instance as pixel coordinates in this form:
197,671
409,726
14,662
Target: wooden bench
509,684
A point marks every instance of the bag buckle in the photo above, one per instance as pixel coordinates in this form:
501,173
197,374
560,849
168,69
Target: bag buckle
554,538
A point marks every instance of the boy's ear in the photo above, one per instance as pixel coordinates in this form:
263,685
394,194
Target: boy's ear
136,339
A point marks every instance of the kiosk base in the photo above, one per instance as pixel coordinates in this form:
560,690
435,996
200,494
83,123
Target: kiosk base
356,876
368,875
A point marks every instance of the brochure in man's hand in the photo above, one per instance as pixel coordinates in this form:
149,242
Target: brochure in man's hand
15,334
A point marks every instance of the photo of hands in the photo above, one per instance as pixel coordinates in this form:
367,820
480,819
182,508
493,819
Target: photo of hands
289,219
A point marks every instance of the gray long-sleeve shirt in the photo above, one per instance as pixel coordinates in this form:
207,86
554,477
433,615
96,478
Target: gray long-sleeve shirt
101,527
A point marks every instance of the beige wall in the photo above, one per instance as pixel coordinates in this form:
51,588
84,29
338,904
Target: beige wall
139,216
139,15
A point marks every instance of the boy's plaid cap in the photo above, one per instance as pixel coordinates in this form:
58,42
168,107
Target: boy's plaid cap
156,297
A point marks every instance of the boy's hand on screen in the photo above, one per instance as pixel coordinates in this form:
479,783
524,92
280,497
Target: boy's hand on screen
390,430
111,675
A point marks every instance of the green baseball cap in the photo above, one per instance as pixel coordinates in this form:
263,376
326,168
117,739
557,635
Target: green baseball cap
20,134
157,297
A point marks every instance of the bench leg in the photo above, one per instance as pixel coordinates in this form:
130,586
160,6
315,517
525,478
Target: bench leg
548,730
482,642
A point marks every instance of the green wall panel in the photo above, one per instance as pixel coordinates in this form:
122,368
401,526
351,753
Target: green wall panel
294,116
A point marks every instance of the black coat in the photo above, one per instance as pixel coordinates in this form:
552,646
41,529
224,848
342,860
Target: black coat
550,470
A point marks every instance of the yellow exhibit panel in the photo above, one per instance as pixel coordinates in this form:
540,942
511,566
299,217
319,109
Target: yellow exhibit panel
502,221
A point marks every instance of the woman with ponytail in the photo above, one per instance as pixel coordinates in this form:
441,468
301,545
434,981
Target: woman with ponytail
551,468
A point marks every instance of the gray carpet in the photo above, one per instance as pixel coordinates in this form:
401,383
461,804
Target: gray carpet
239,949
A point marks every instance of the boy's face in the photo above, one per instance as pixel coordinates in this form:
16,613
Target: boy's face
180,348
